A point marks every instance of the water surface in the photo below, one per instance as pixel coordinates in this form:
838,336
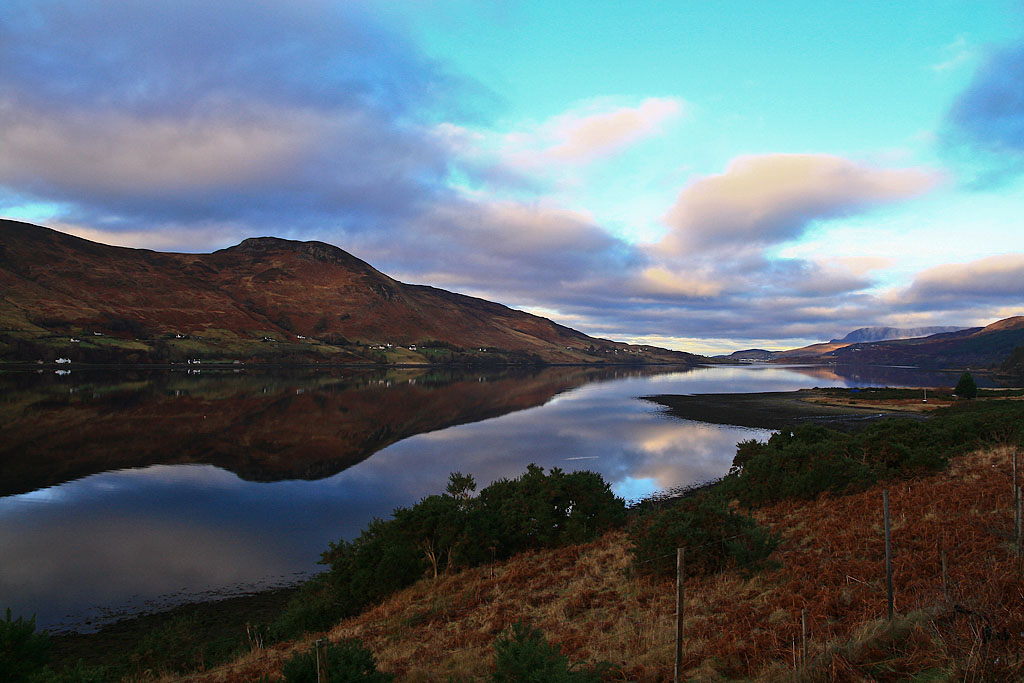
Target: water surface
139,490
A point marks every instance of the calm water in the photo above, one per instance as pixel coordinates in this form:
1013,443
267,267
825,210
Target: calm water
140,490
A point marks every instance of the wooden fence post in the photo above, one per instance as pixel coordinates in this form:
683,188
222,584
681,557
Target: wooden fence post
680,567
322,675
1020,521
803,638
888,553
945,575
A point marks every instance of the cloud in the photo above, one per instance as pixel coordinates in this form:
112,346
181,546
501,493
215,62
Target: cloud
274,114
515,252
954,55
579,137
764,200
592,131
991,280
989,114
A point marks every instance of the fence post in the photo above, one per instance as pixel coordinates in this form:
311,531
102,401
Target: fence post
322,675
1020,521
803,638
888,553
1016,491
945,575
680,566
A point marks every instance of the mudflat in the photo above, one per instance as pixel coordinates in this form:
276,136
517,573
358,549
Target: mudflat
775,410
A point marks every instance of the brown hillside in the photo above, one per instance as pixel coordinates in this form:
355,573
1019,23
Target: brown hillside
57,286
740,628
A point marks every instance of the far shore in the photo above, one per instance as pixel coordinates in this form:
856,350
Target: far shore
779,409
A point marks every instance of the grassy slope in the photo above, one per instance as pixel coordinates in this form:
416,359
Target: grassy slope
587,601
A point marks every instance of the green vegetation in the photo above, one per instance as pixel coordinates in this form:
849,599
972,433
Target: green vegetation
966,388
25,657
453,530
346,661
23,652
809,460
523,655
703,523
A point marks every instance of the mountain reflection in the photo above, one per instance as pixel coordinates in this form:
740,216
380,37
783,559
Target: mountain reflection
260,426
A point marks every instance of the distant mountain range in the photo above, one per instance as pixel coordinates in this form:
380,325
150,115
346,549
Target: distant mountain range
266,299
874,334
988,347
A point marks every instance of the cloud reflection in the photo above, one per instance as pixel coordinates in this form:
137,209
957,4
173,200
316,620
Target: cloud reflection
124,538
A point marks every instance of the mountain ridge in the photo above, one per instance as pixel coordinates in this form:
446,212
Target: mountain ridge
264,299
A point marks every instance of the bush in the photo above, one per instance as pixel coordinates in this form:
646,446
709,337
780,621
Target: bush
314,607
810,460
713,534
965,387
347,661
543,511
23,652
799,463
523,655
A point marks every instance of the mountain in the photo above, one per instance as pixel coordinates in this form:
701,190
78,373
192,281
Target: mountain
750,355
976,347
872,334
266,299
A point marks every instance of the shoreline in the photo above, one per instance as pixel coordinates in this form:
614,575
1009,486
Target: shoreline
779,409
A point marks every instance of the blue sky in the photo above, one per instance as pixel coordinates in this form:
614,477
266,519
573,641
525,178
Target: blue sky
704,176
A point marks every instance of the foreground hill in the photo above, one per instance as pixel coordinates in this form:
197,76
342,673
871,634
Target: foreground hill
738,625
263,299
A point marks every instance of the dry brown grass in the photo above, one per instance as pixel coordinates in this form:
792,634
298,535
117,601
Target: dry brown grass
587,600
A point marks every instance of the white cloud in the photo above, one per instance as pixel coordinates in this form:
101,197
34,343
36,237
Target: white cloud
774,198
580,137
993,278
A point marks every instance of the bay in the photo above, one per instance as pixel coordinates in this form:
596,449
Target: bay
133,491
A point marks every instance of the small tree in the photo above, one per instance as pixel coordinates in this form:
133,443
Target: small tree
23,652
522,654
348,660
966,387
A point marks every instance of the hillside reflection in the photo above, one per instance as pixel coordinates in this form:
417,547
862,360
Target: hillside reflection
262,427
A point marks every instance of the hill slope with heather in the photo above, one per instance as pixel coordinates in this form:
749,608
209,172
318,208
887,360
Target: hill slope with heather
263,299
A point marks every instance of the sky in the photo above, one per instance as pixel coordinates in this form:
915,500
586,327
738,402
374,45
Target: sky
706,176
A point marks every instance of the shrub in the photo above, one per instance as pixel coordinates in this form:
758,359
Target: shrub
965,387
347,661
798,463
539,511
523,655
810,460
713,534
316,606
23,652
